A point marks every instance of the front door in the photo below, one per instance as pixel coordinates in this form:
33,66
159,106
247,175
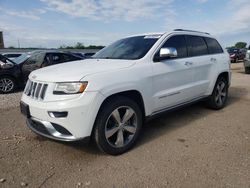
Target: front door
172,78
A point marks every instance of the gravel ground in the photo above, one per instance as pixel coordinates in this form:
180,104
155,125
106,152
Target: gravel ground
10,100
192,147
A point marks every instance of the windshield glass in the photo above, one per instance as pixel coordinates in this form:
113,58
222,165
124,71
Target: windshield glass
128,48
3,59
21,58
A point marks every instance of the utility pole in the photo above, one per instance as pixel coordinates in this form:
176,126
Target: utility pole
18,43
1,40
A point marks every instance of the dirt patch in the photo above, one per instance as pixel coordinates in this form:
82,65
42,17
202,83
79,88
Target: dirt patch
191,147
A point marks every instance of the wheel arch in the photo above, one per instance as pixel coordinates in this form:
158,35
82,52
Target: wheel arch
225,75
133,94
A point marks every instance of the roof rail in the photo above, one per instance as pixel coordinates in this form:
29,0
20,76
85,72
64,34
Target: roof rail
191,31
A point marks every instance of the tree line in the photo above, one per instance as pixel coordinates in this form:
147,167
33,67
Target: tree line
80,45
239,45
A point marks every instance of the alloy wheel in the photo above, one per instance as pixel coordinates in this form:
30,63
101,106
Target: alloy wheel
121,126
221,93
6,85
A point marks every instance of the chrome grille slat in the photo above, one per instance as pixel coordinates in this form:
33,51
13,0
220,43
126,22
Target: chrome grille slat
35,90
45,86
39,94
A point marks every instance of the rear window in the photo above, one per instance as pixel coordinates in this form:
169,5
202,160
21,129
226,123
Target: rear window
213,46
196,46
12,55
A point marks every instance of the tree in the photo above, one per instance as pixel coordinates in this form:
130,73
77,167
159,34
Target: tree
79,45
241,45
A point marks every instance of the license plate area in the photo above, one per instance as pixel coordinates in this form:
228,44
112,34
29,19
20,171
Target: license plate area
25,110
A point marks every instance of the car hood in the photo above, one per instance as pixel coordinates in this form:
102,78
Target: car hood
76,70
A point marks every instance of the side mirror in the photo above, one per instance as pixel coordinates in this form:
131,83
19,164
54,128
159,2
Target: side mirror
168,53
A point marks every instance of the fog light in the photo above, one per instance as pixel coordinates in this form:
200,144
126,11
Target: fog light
58,114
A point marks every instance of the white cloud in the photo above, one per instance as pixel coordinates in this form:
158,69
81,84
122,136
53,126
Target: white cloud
31,14
38,37
110,9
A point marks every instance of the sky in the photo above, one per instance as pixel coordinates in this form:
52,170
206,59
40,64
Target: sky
52,23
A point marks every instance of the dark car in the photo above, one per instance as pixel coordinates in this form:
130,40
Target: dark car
10,75
79,54
236,54
84,55
12,55
89,55
15,73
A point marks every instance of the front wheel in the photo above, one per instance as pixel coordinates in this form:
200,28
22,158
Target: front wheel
219,96
118,125
7,84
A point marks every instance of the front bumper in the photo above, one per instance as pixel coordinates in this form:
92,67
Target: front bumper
78,124
47,129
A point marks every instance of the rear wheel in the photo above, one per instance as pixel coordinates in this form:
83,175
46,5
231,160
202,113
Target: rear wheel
247,70
219,96
7,84
118,125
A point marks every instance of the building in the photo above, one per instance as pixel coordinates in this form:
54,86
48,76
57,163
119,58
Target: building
1,40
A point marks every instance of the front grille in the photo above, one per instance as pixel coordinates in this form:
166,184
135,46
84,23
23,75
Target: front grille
35,90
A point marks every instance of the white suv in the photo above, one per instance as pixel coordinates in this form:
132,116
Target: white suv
109,96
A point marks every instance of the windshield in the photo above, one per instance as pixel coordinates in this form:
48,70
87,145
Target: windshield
21,58
128,48
3,59
232,50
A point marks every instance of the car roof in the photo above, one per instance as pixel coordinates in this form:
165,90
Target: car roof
182,31
12,53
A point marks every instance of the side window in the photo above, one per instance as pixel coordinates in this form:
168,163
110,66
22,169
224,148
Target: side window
36,58
68,57
56,58
213,46
196,46
46,61
179,43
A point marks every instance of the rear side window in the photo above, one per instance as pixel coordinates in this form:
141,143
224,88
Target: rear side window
213,46
56,58
179,43
196,46
68,57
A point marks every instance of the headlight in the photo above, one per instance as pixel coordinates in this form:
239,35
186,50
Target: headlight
69,88
6,65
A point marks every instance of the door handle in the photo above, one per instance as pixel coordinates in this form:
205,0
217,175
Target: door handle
188,63
213,59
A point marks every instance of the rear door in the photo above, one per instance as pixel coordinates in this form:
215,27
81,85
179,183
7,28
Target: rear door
173,77
201,63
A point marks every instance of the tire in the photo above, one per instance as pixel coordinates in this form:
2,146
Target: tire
112,133
7,84
219,97
247,70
